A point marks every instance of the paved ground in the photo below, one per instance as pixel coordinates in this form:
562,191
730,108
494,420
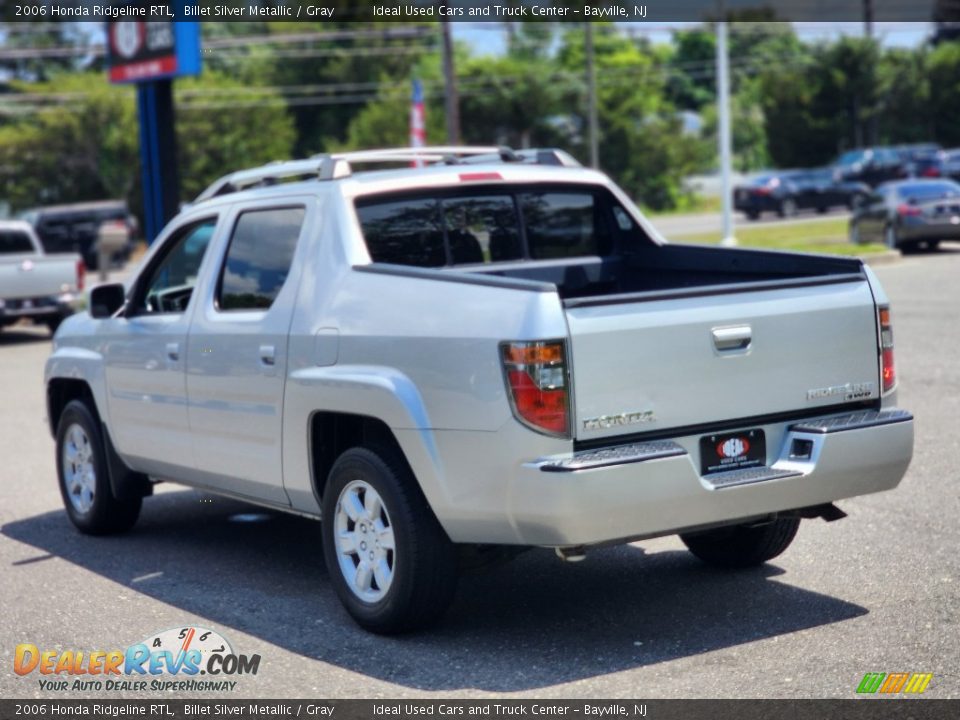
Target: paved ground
875,592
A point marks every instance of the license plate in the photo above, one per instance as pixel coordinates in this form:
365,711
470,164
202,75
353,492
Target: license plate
732,451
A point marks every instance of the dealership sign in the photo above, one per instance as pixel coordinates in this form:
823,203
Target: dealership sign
140,51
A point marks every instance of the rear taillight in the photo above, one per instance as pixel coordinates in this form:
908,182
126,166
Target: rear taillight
932,171
904,210
81,274
888,371
536,374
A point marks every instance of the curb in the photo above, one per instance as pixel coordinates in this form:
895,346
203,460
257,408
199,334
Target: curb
884,258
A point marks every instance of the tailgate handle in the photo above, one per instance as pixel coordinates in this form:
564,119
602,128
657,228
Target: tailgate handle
729,339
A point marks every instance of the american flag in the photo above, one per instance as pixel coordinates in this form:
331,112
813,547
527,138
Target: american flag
418,120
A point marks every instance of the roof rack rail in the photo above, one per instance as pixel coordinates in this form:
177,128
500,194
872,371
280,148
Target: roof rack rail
338,165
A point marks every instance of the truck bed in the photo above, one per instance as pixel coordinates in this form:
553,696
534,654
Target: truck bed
658,272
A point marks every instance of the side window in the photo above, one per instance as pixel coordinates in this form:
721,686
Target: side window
14,241
482,228
562,225
259,258
169,286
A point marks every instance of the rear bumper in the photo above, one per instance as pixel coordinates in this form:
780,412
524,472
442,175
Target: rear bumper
558,501
37,308
926,230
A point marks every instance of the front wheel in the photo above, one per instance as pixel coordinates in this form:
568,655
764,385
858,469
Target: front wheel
84,478
742,546
391,563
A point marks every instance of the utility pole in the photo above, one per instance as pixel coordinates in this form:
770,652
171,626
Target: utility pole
592,99
451,100
723,112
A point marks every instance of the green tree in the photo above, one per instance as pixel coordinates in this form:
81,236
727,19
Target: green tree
641,142
87,148
944,79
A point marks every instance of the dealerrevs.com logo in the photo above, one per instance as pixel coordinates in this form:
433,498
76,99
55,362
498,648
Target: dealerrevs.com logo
171,660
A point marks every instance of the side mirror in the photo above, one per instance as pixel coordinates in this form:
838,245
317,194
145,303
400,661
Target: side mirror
106,299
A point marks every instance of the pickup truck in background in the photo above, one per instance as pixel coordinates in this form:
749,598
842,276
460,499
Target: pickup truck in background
42,288
493,351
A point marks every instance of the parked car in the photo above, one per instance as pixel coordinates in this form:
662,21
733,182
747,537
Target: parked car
474,355
789,191
74,228
919,158
872,166
33,285
945,164
909,214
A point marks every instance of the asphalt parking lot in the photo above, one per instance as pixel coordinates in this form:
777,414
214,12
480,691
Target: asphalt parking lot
877,592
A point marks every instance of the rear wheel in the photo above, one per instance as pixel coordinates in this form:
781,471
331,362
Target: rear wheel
742,546
753,214
84,478
390,562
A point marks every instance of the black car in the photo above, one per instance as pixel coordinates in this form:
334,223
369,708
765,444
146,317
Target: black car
74,227
871,166
920,158
909,214
789,191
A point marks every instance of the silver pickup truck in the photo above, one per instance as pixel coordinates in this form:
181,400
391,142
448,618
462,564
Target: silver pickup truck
495,350
35,286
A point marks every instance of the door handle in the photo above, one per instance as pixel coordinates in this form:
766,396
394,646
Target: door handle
173,351
730,339
268,355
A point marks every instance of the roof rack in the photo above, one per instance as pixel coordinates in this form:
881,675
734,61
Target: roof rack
338,165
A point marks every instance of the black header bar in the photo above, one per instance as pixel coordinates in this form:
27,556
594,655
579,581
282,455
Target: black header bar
642,11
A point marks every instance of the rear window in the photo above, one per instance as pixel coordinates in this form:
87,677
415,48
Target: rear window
14,242
484,227
929,191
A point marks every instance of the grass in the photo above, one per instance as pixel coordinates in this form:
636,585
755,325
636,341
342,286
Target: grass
815,236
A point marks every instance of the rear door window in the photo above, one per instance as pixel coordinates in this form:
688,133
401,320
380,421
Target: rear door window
259,258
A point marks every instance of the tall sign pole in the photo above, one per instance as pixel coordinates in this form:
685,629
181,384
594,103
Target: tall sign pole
723,111
151,54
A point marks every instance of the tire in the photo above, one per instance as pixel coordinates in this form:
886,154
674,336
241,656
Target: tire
753,214
414,581
53,323
822,209
788,208
743,546
910,248
932,245
84,478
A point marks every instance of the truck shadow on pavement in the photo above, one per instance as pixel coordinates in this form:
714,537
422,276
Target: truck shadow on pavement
23,335
524,625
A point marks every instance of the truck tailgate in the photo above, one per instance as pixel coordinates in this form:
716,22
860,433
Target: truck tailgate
33,276
657,364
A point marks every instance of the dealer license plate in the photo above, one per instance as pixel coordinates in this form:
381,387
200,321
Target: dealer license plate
732,451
